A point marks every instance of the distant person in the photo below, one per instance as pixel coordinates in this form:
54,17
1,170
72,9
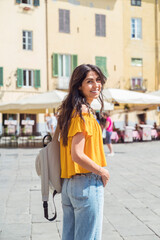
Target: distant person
109,130
47,119
53,123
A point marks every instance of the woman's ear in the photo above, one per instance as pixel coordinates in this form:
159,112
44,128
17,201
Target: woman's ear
80,88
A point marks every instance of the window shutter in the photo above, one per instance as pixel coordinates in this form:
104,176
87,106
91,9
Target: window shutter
74,61
97,19
139,28
19,77
55,65
67,21
101,62
18,1
61,21
37,80
1,76
103,25
36,2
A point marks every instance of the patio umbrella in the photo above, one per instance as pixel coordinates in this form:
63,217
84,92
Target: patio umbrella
44,100
97,106
129,97
39,101
156,93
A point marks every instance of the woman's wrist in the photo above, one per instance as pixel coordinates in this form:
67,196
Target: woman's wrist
99,172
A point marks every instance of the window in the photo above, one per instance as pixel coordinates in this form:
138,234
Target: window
30,2
28,78
64,21
136,62
136,28
63,65
27,1
136,83
1,76
136,3
101,62
27,40
100,25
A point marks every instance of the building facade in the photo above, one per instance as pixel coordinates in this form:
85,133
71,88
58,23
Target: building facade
23,55
44,40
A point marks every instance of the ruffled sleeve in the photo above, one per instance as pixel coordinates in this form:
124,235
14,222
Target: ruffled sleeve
78,125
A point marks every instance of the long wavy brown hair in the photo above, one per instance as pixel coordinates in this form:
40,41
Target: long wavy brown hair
75,99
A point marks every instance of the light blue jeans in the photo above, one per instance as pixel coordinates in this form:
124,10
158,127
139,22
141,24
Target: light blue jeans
82,203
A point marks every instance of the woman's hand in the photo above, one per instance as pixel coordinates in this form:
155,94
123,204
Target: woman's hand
105,176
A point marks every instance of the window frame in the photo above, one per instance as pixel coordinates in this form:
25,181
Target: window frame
29,2
27,78
137,65
136,3
65,27
63,76
134,30
26,44
100,30
136,83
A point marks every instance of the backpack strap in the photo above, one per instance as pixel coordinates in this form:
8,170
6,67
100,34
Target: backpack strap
45,206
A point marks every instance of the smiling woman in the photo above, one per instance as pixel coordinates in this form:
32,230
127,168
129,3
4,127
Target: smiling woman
91,86
82,156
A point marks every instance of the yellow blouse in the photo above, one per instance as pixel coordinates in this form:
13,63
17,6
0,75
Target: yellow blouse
93,145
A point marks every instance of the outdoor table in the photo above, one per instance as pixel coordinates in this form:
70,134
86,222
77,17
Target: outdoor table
136,135
114,136
128,134
146,132
154,133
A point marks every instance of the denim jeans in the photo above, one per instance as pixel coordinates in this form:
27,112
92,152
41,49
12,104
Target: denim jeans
82,203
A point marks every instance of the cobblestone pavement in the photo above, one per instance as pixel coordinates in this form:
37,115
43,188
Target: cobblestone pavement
132,197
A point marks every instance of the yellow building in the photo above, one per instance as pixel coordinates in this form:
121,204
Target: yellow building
44,40
22,53
118,36
84,32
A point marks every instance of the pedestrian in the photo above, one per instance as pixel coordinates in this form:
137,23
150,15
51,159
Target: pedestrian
109,130
82,156
53,123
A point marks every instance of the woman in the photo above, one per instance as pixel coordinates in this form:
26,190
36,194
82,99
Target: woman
82,157
109,130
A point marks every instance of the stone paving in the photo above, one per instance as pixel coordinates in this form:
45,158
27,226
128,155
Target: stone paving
132,197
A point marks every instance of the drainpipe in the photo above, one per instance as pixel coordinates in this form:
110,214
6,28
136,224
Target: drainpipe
156,47
46,13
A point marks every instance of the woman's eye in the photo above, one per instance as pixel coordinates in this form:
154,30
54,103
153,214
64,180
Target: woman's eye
99,80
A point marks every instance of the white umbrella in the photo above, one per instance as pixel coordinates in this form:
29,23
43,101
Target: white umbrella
39,101
156,93
97,106
127,97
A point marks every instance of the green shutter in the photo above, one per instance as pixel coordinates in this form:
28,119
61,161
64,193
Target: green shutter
36,2
18,1
1,76
74,61
19,77
55,65
37,79
101,62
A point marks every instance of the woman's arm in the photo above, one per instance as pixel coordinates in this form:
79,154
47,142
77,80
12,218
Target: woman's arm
107,125
78,156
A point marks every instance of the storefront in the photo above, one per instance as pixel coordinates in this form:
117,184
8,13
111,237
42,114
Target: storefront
28,124
9,124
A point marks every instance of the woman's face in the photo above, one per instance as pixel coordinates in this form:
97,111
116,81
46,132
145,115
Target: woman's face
91,86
